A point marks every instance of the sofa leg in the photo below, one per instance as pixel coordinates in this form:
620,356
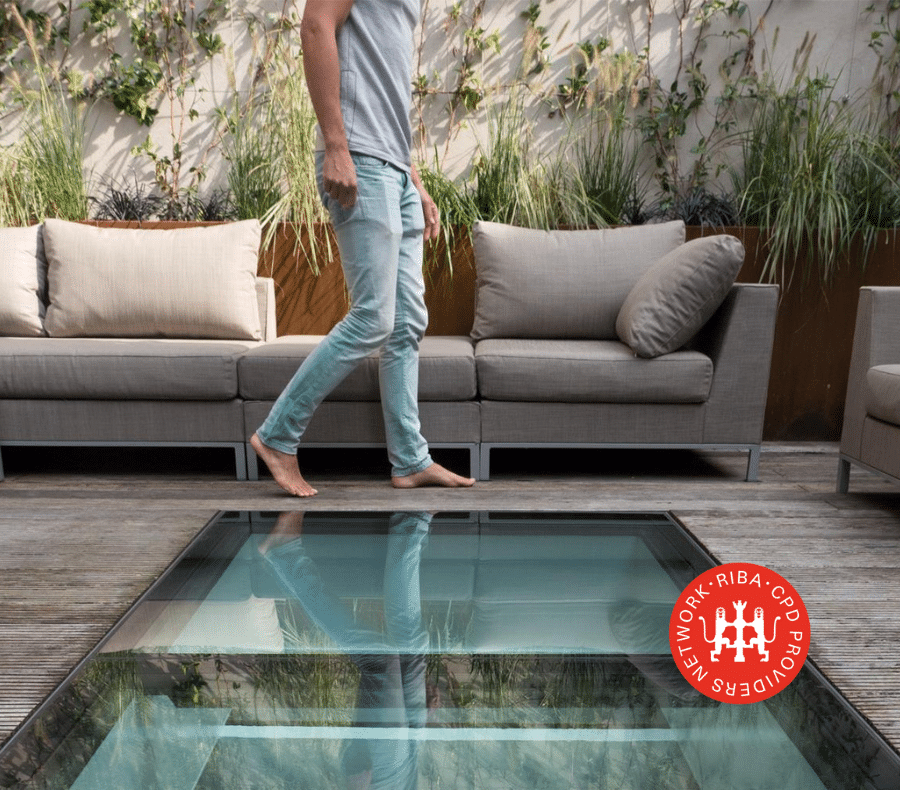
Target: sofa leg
475,461
484,467
252,463
240,461
2,476
753,464
843,476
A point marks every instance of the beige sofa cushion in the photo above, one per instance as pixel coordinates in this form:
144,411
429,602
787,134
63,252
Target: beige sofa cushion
883,393
183,283
678,295
560,284
23,273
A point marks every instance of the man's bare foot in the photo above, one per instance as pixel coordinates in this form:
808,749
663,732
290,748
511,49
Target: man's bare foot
434,475
283,468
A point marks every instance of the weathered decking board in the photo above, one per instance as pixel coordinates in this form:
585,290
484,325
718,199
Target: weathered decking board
79,542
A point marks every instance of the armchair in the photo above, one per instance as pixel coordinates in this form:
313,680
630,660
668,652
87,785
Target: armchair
871,432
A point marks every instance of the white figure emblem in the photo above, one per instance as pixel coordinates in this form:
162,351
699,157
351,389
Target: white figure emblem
720,640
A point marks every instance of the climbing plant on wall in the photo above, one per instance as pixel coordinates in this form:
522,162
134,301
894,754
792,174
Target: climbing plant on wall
167,43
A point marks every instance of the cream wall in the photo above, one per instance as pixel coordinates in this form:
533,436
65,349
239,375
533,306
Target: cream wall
841,35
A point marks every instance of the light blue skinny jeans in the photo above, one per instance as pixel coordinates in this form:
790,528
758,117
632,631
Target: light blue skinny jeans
380,242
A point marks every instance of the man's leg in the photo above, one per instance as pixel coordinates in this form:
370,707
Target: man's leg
399,361
411,464
368,237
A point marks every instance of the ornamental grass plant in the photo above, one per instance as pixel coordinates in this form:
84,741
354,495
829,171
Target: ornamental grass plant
252,149
457,211
51,149
604,188
506,184
294,136
814,177
15,204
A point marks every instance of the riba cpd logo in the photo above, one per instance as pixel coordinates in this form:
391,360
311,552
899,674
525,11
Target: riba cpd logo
739,633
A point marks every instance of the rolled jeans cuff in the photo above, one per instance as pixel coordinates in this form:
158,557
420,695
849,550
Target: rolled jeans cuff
412,470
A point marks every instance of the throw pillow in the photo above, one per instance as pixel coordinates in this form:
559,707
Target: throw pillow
566,284
136,282
678,295
23,273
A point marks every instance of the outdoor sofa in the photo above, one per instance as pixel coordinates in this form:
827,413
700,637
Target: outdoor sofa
608,338
112,336
871,433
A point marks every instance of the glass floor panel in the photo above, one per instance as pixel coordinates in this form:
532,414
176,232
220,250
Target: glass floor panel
416,650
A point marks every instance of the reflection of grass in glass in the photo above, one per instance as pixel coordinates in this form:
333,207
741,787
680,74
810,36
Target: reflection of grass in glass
312,674
825,733
65,738
500,681
324,685
114,680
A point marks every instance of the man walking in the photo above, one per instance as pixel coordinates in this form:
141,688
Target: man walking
358,60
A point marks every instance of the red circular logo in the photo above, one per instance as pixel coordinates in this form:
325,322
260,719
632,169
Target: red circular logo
739,633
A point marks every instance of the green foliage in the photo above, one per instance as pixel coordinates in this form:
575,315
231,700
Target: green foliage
457,210
507,185
251,147
806,159
669,112
50,152
15,205
168,41
700,207
884,41
132,88
575,91
606,162
295,138
813,177
127,202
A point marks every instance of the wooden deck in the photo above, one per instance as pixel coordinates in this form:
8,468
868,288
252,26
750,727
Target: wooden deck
83,532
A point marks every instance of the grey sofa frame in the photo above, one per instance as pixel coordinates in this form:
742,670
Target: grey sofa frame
867,442
738,339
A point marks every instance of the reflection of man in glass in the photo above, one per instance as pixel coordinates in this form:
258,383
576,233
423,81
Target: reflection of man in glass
391,665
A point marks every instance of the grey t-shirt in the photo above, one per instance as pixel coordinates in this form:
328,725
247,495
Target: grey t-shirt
375,48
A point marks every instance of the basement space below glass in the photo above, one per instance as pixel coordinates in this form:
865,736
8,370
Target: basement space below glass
437,651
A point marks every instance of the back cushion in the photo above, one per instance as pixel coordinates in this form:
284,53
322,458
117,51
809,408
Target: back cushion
564,283
679,294
23,274
136,282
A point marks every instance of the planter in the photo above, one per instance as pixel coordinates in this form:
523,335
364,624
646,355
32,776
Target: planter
306,303
814,337
310,304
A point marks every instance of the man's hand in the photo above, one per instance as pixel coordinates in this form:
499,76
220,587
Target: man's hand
429,209
339,177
